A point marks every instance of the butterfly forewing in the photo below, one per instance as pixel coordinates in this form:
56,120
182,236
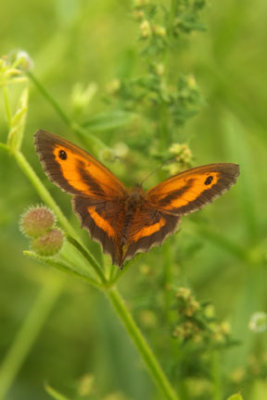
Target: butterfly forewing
192,189
75,170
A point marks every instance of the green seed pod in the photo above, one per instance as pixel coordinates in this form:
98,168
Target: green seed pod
48,244
37,221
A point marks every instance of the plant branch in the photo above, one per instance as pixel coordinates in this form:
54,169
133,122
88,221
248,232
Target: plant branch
144,350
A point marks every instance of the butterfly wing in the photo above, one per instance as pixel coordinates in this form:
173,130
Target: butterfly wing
75,170
105,221
167,202
98,194
192,189
148,227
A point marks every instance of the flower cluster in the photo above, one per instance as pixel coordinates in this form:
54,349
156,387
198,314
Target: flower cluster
197,323
13,66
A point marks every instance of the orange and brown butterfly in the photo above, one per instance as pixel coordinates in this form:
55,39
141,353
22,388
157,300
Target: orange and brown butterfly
127,221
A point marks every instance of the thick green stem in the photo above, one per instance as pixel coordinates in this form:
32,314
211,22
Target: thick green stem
167,281
28,333
144,350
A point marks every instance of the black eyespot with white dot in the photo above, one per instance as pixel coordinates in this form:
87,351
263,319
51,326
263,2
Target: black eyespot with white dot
62,154
208,180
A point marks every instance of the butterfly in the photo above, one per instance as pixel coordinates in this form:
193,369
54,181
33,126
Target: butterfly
126,221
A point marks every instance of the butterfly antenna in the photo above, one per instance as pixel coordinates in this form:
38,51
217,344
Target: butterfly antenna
156,170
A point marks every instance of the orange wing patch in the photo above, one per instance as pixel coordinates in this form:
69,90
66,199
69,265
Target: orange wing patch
71,170
101,222
190,189
149,230
148,227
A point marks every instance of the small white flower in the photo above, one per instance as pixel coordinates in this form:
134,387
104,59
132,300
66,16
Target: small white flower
258,322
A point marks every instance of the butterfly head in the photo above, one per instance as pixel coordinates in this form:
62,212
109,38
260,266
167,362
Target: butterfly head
136,196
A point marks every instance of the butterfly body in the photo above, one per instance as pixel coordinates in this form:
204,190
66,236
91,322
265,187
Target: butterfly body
126,221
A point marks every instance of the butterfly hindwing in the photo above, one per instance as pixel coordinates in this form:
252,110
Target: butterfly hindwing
147,227
192,189
104,220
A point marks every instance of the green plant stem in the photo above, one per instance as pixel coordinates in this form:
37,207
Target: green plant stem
147,355
167,279
69,122
50,99
89,258
4,146
28,332
55,394
217,389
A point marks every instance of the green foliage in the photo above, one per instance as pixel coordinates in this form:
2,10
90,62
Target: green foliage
124,80
235,397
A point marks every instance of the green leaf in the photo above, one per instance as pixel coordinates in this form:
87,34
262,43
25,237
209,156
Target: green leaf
236,396
109,120
18,122
55,394
259,390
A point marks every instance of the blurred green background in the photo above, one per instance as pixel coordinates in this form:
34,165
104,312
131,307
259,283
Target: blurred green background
220,253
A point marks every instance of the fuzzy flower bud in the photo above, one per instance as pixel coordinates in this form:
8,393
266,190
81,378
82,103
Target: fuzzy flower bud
138,14
139,3
82,96
113,86
48,244
24,61
182,151
107,155
86,385
37,221
184,293
191,82
159,69
145,28
159,30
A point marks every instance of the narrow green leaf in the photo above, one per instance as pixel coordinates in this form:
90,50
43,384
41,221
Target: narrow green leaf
55,394
236,396
61,266
18,122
